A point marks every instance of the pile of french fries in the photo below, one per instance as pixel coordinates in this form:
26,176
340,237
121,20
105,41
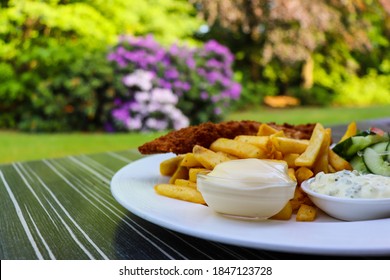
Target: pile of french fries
305,158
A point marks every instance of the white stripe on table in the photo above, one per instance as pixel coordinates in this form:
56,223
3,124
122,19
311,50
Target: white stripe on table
21,217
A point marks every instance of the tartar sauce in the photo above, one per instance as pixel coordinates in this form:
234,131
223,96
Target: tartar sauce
351,184
252,172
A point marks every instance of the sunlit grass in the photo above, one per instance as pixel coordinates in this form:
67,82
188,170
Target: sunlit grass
326,116
17,146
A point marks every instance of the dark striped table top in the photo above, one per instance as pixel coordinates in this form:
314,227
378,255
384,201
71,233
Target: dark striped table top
63,209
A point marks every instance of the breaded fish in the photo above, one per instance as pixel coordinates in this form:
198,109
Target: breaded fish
182,141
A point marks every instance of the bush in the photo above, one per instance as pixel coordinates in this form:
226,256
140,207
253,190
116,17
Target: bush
62,88
314,96
72,95
54,60
146,107
201,78
54,75
252,93
372,89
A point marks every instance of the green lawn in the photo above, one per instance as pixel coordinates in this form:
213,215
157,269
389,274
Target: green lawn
326,116
22,146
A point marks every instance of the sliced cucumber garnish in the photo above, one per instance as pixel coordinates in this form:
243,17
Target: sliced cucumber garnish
361,142
388,151
380,148
349,147
375,159
358,164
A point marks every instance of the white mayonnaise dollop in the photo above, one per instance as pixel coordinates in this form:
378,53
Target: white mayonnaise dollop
252,172
251,188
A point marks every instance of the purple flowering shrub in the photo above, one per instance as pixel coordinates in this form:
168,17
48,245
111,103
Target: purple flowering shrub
147,108
195,82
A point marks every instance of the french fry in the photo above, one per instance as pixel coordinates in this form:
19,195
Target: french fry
337,162
289,145
180,173
299,194
295,204
277,155
307,201
331,169
321,163
229,156
291,174
259,141
285,213
189,160
169,166
185,183
193,173
290,159
351,131
297,200
308,157
306,213
278,133
266,130
237,148
302,174
208,158
180,192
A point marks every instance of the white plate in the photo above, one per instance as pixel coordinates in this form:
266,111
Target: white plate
132,187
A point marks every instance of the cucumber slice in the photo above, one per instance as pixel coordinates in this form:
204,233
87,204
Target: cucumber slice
375,162
349,147
358,164
361,142
380,148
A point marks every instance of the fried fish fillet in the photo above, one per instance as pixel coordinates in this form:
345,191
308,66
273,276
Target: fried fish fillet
182,141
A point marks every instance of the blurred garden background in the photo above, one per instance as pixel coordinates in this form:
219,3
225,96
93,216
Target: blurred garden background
94,75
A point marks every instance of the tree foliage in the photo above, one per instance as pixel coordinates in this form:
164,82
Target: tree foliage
54,71
290,30
285,42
